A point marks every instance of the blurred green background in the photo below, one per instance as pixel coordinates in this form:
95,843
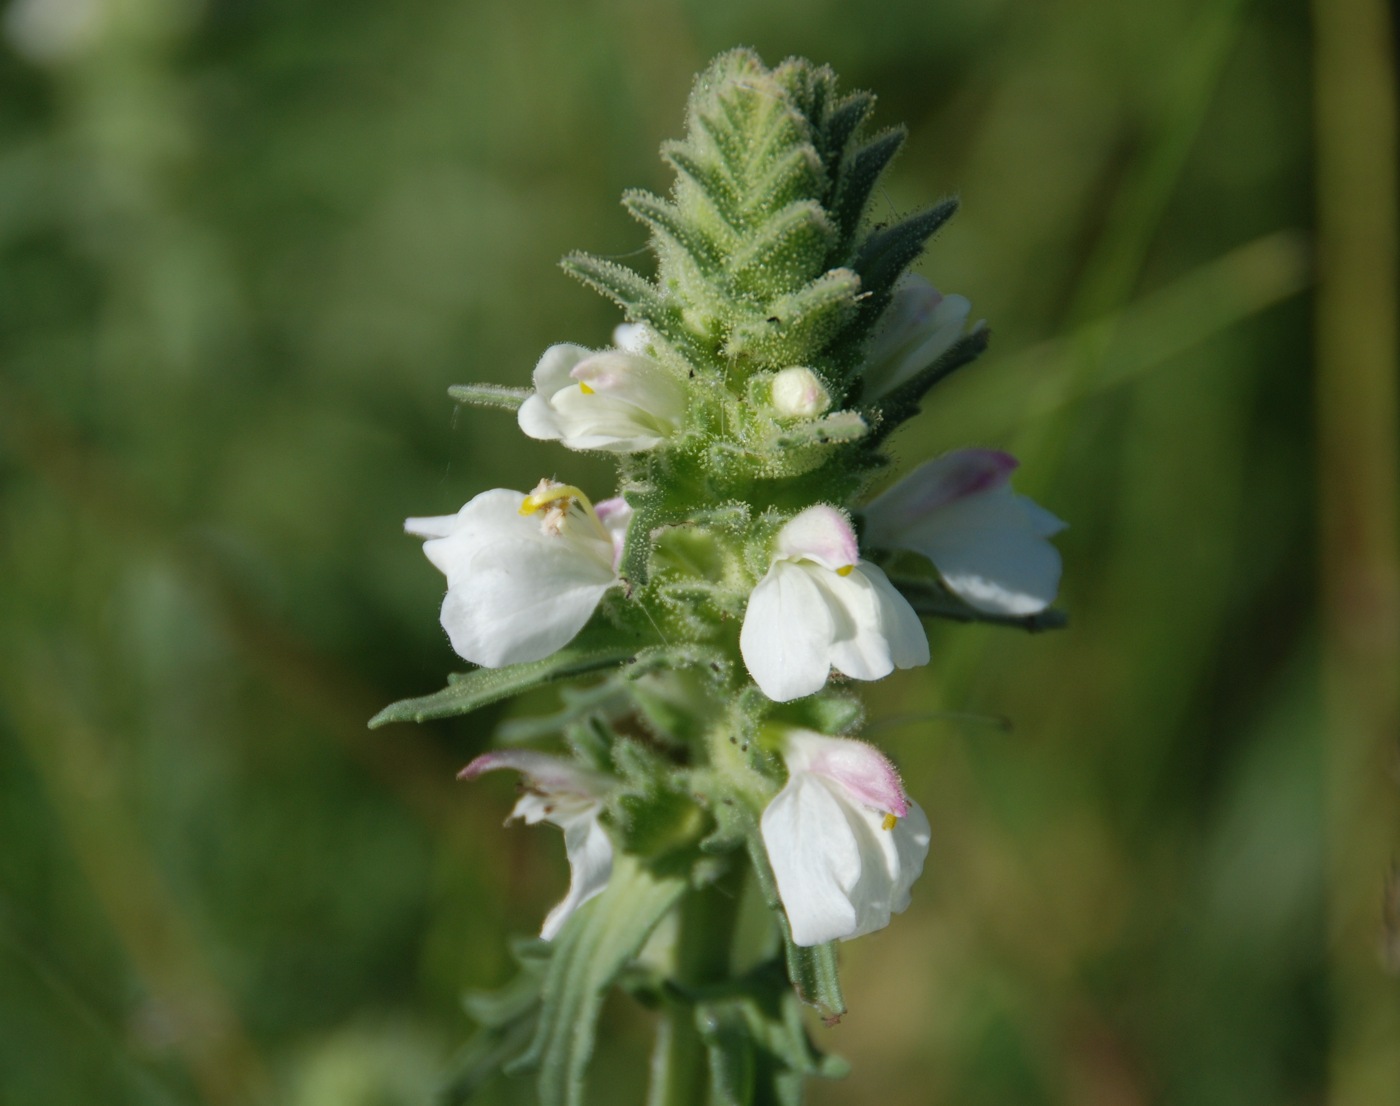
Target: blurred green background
245,248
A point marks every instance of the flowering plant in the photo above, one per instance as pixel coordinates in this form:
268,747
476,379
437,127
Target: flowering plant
720,598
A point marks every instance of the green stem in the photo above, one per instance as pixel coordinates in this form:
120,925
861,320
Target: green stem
703,955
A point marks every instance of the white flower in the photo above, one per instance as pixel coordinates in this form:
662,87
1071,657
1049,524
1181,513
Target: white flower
798,394
845,842
920,325
617,400
558,791
524,573
987,542
821,607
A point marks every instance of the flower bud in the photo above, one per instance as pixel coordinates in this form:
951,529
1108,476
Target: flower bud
798,394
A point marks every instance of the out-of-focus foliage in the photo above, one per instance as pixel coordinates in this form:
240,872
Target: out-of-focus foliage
244,249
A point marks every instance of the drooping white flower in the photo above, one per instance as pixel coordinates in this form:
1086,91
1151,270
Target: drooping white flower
844,840
919,326
524,572
821,607
988,543
563,794
617,400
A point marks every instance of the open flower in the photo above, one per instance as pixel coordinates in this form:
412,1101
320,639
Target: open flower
821,607
987,542
524,572
561,793
845,842
920,325
617,400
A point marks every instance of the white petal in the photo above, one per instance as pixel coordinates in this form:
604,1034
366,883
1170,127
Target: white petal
518,601
590,864
554,366
877,630
989,549
602,421
644,383
892,859
536,416
899,622
816,859
489,517
632,337
439,526
787,632
538,420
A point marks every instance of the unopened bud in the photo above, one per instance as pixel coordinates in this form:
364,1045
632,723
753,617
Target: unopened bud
798,394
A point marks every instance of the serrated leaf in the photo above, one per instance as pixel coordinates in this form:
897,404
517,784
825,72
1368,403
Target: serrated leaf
708,182
596,943
467,691
490,395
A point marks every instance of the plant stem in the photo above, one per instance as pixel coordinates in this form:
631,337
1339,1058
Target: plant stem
702,955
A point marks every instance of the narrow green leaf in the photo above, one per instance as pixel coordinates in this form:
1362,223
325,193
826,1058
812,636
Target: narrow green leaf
889,411
631,291
843,426
667,223
886,253
708,181
812,970
594,947
859,177
467,691
489,395
843,123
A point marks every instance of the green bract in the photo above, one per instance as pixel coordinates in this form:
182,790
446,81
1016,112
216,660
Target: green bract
737,411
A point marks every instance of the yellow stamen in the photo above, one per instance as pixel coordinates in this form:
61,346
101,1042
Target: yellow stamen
537,501
584,388
846,570
889,822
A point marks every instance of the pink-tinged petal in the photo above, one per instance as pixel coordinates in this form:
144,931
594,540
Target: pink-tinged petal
821,534
616,516
932,486
864,772
787,632
547,773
